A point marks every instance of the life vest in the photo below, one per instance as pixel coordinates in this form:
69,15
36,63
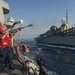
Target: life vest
6,42
26,50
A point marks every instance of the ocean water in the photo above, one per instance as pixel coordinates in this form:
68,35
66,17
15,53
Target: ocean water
59,61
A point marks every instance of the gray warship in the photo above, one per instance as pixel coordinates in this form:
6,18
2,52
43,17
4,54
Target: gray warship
58,36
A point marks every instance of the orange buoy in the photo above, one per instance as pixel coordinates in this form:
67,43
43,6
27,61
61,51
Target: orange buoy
26,50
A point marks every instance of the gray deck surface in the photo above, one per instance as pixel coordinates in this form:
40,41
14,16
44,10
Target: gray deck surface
18,69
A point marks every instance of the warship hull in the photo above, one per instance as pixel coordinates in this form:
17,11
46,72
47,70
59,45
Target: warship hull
58,40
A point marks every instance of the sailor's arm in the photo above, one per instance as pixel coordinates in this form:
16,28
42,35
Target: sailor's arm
2,36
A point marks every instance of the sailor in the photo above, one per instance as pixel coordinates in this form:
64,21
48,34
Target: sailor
9,23
5,48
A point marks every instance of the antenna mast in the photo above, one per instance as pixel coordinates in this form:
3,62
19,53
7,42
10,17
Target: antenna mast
67,16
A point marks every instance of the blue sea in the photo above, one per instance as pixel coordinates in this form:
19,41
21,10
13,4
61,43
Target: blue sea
59,61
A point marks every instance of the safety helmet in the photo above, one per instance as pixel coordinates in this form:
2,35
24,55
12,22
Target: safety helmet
10,19
2,29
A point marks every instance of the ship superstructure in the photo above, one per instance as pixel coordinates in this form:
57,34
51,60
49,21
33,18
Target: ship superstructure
4,9
60,36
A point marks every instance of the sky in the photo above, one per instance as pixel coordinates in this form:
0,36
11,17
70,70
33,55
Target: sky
41,13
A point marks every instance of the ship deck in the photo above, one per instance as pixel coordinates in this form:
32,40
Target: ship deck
17,71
